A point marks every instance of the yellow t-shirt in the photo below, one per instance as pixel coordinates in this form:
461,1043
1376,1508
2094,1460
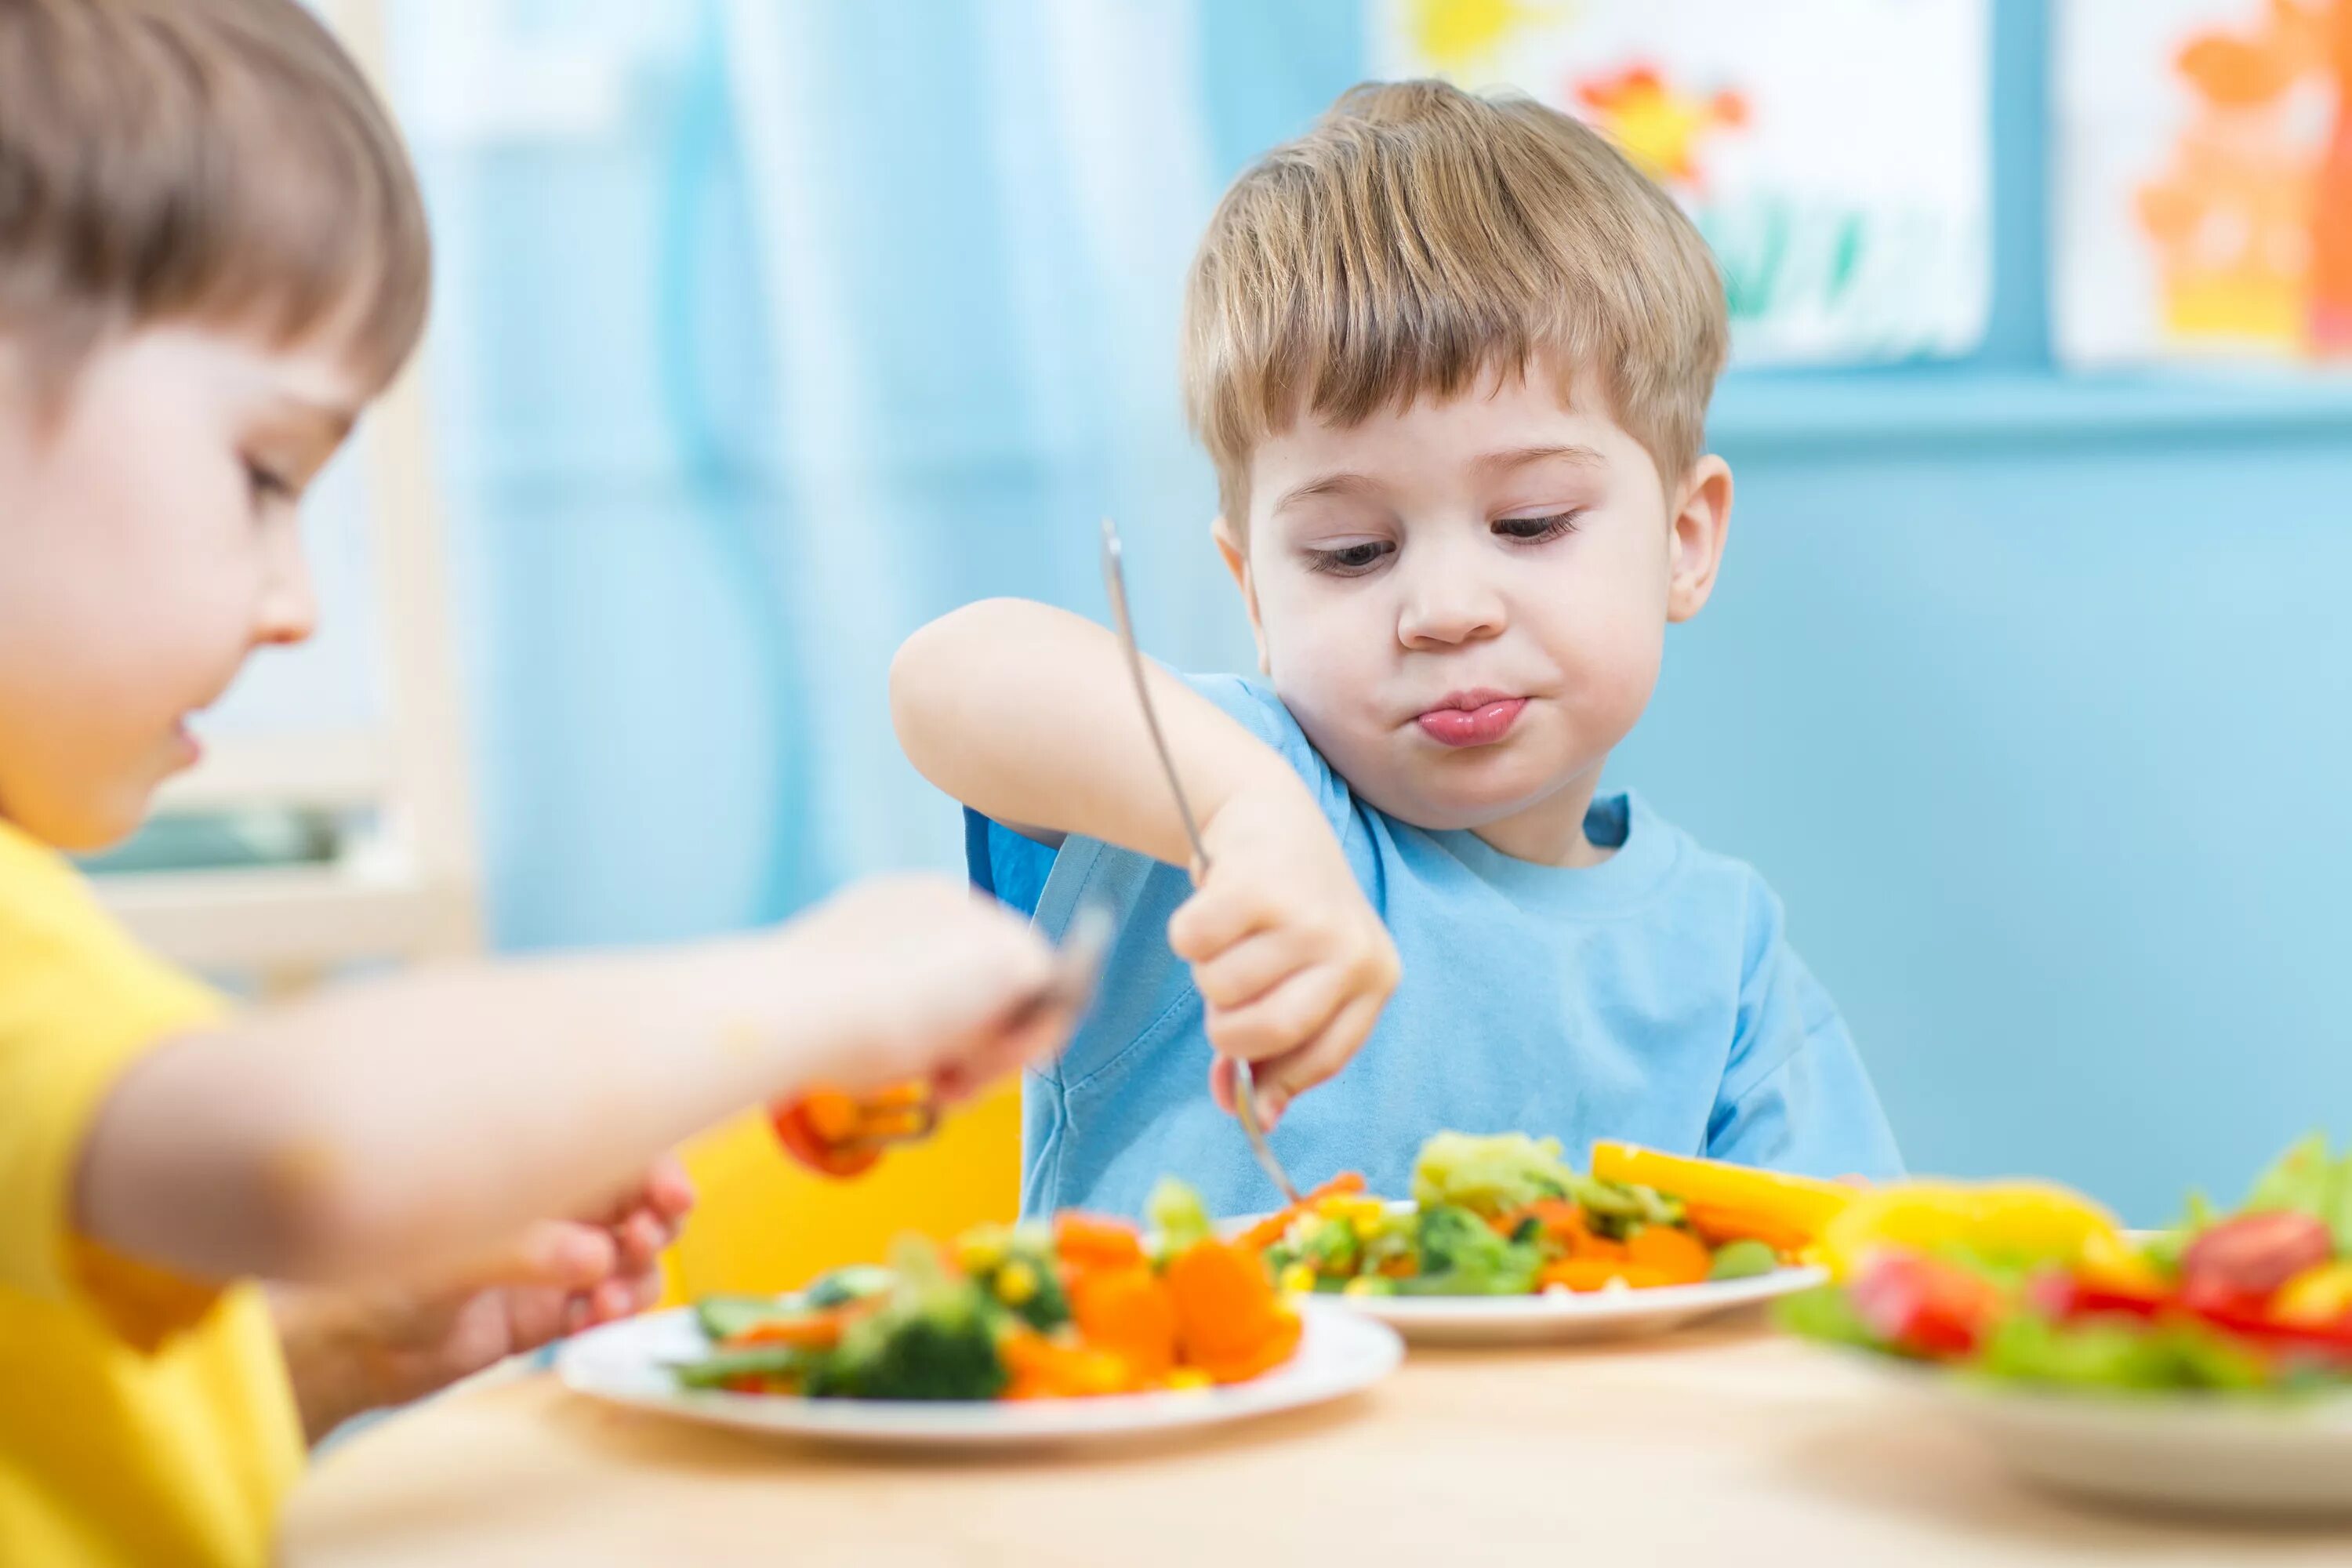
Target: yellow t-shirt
142,1419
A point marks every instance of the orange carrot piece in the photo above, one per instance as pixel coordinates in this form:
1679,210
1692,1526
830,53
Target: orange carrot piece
1042,1369
814,1330
1717,1225
1581,1274
1279,1345
1346,1184
1092,1241
1129,1312
1225,1302
1678,1256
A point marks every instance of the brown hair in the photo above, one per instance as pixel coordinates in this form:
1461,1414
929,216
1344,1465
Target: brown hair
220,160
1420,237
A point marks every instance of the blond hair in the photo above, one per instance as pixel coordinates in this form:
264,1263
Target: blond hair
1420,237
212,161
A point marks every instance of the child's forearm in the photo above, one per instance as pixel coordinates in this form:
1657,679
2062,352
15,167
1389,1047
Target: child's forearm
1028,715
412,1124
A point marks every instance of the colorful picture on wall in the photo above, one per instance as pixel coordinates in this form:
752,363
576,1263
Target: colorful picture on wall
1834,153
2204,200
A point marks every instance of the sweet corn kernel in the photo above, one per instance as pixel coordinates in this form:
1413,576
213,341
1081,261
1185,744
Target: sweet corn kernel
1298,1280
1188,1380
1016,1283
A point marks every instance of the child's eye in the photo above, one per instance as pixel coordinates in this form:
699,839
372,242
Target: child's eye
1350,560
265,484
1537,530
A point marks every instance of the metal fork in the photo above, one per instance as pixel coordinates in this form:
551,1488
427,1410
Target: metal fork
1244,1084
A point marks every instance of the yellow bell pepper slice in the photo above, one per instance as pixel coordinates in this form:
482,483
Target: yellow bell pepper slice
1789,1211
2025,1221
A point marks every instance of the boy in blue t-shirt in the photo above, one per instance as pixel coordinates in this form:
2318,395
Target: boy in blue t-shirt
1452,358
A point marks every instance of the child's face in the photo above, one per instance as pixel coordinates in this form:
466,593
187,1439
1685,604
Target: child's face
1464,603
150,530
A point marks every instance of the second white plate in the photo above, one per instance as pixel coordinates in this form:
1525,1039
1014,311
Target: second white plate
1565,1319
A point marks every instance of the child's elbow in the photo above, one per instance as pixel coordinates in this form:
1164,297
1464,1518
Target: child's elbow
933,672
317,1221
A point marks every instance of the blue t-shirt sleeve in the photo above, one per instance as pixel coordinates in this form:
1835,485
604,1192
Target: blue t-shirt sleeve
1795,1095
1015,868
1005,865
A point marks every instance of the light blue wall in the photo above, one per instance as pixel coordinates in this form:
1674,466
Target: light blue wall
2032,697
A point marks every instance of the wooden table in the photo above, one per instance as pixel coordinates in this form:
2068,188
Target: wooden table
1726,1448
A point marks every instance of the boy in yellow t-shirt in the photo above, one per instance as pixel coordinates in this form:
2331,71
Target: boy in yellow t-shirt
212,257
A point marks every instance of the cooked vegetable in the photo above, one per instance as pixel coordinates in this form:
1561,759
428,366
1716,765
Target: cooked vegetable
723,1317
1090,1241
1016,1266
935,1337
1177,1214
818,1129
1130,1313
1489,1175
1676,1256
1735,1199
759,1363
1462,1256
1745,1259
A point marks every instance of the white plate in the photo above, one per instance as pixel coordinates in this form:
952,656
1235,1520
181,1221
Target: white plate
2169,1452
1560,1317
629,1362
1565,1319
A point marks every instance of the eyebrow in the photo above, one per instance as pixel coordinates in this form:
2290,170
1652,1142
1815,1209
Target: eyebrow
1340,484
1518,457
1494,464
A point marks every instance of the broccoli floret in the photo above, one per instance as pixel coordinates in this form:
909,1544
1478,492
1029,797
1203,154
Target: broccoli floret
1462,1256
1176,1213
935,1337
1489,1175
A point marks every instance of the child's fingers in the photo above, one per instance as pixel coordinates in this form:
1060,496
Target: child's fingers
669,1191
640,1238
559,1254
1251,967
1286,1077
1216,917
1284,1018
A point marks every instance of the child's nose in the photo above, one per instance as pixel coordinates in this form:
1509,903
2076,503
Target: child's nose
1445,608
289,612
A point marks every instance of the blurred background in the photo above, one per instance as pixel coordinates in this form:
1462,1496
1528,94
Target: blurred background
768,329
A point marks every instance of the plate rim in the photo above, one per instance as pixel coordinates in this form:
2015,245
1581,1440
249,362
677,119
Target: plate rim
1379,1349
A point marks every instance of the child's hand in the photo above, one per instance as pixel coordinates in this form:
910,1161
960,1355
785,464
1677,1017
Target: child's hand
353,1350
1291,962
922,978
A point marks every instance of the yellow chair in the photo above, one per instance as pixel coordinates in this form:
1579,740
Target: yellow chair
763,1222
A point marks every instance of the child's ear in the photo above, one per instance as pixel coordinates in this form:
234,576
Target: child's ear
1702,521
1236,556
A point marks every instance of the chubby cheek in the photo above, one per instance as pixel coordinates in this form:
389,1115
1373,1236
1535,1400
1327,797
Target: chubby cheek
1326,659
